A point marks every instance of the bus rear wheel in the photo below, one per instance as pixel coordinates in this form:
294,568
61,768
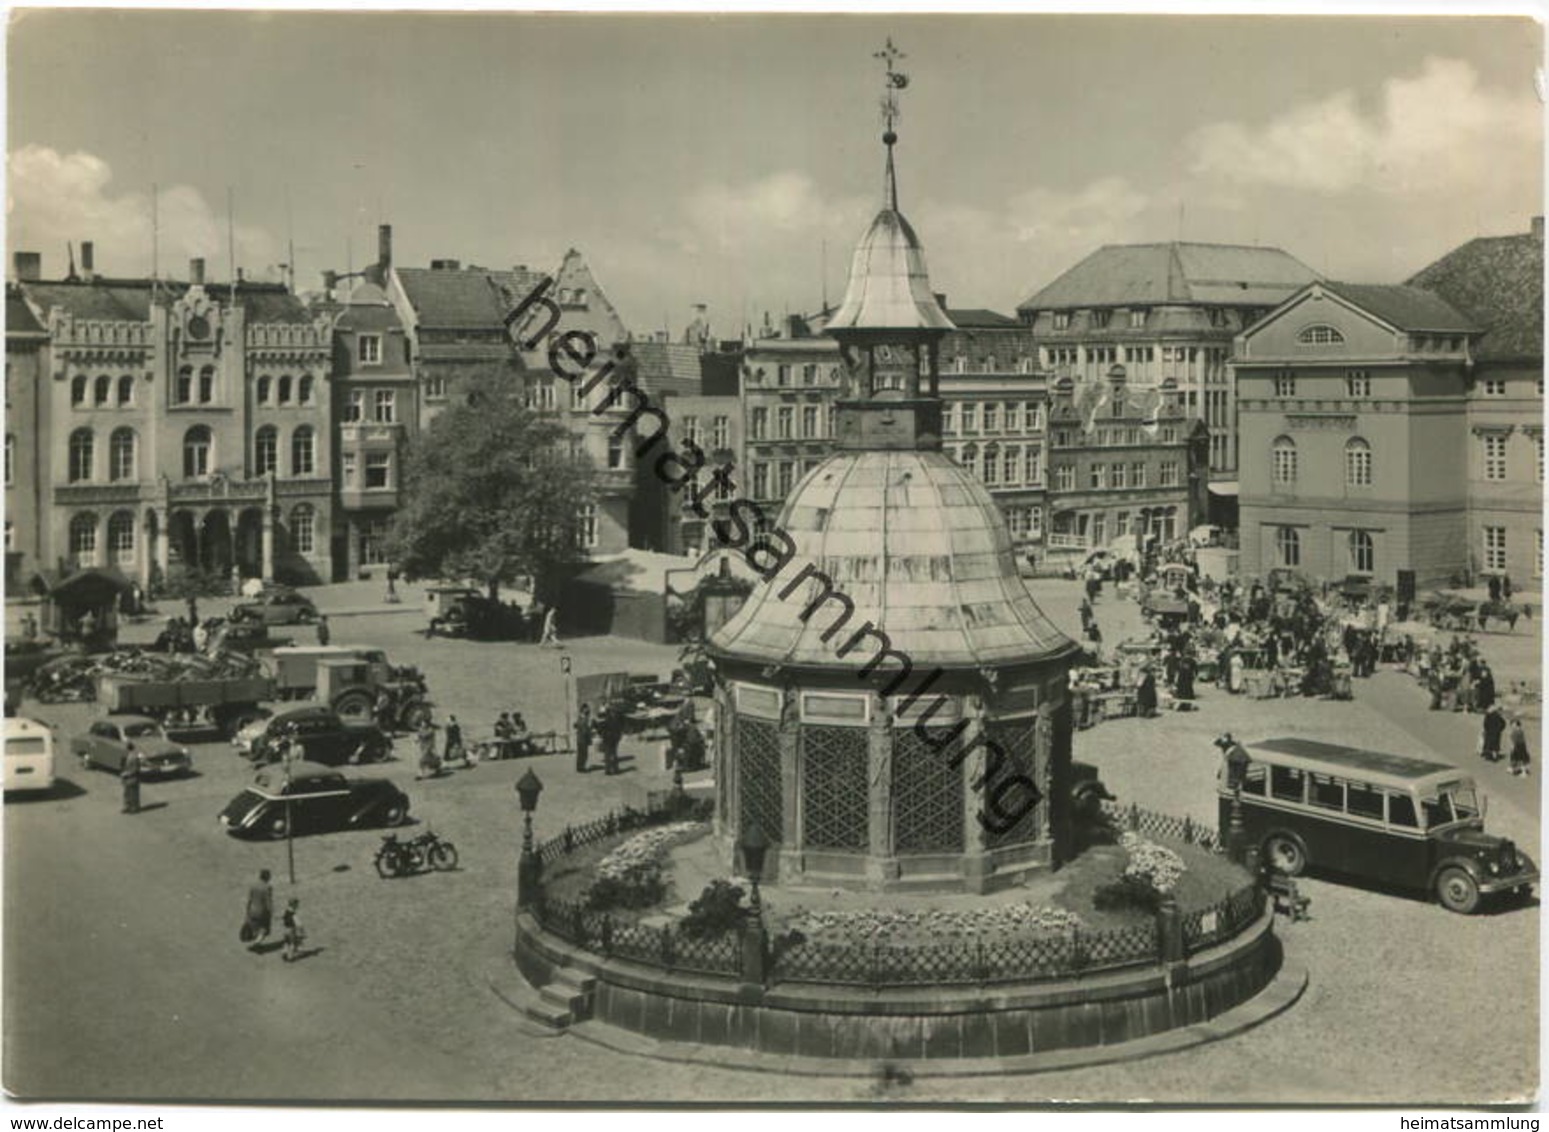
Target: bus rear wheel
1457,891
1284,853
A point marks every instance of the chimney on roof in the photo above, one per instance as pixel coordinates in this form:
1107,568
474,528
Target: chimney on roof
88,260
941,299
240,278
196,270
445,265
28,266
384,248
1538,227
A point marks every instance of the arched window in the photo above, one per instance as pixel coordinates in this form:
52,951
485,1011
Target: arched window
1283,457
83,539
284,389
264,383
78,389
303,451
266,451
206,385
304,389
1363,553
990,473
303,529
103,394
1319,335
971,459
1288,546
1358,463
197,443
183,391
121,538
126,391
121,455
83,454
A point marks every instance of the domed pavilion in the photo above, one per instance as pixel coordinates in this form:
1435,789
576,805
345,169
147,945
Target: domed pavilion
892,707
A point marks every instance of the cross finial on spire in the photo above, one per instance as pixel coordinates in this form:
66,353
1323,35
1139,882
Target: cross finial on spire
895,82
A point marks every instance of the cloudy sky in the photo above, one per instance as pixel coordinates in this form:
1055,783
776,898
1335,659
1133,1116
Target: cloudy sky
711,159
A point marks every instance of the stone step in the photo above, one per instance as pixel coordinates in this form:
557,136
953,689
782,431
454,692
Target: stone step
559,996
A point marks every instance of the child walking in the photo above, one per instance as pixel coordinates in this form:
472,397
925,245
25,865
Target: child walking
295,935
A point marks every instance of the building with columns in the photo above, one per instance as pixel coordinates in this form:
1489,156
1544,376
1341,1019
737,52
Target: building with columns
188,423
1163,311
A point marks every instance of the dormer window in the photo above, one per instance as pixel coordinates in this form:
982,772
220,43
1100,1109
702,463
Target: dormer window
1100,319
368,349
1062,320
1137,318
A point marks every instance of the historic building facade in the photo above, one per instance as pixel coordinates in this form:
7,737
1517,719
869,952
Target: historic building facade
1163,311
1353,402
188,424
1123,462
376,408
27,427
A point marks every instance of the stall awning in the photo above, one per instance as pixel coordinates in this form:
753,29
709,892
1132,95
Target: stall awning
1224,488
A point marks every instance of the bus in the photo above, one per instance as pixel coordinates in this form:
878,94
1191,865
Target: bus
1392,819
29,756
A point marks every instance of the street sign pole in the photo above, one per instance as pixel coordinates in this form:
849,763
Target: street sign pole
564,674
290,824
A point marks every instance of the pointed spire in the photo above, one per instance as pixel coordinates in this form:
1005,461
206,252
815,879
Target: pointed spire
895,81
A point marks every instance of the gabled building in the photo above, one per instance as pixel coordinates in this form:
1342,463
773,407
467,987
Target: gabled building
1498,282
26,435
1163,312
1123,461
1353,413
185,423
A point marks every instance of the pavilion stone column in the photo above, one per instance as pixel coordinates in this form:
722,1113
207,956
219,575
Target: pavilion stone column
881,863
789,834
161,551
720,758
266,545
978,865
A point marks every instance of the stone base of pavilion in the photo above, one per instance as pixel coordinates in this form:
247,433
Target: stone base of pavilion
1121,1012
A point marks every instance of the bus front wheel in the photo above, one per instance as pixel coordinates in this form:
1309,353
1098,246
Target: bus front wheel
1457,891
1284,853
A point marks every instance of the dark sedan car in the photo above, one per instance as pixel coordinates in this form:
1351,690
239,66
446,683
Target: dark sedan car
312,799
325,738
277,607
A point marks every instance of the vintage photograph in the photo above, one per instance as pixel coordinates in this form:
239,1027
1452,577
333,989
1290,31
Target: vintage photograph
739,558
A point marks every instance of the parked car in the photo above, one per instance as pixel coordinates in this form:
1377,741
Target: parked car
325,737
246,636
277,607
108,742
308,798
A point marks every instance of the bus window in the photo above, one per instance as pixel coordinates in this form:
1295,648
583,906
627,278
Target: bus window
1327,793
1253,781
1286,783
1362,801
1465,803
1401,810
1438,811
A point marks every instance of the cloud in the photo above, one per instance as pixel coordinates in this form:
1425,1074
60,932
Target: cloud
1436,133
55,198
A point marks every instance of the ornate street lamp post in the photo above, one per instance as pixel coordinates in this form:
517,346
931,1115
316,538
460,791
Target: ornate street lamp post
1237,760
755,940
528,866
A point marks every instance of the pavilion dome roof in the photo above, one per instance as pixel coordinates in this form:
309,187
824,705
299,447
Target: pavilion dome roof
889,287
920,548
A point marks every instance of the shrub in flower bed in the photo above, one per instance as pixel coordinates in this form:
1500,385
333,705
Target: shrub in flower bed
1152,873
631,875
718,909
1000,921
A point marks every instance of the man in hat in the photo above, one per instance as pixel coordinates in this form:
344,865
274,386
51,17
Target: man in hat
1491,730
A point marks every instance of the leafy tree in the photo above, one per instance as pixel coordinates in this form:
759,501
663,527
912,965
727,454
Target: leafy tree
491,491
188,583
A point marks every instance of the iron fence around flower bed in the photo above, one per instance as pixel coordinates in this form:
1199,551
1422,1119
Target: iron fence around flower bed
1206,927
662,947
574,837
1149,823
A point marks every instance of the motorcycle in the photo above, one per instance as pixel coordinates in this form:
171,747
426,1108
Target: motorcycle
442,855
398,858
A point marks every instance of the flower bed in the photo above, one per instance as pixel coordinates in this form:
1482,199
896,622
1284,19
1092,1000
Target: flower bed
630,876
902,926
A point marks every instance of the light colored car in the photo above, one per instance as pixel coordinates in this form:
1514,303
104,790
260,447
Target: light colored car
277,607
109,742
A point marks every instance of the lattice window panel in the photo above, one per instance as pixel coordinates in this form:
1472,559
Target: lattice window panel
927,795
758,778
1016,740
834,787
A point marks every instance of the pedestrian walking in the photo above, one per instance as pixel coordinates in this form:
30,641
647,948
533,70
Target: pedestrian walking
1490,732
259,917
550,628
610,730
1484,688
430,767
324,634
129,776
454,740
295,934
1145,694
392,586
1521,760
583,737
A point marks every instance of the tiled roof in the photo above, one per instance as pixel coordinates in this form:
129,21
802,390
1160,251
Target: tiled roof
19,318
1151,274
130,299
977,318
466,352
1498,281
1404,306
666,367
468,296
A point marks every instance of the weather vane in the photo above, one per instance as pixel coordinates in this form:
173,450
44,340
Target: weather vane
896,81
